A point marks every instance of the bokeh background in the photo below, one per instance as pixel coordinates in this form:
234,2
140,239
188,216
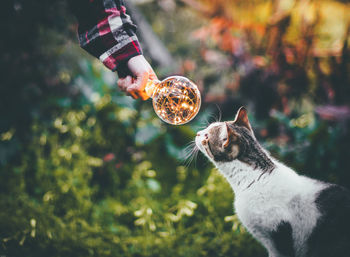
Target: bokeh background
87,171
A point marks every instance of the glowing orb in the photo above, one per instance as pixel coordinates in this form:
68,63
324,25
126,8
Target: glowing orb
176,99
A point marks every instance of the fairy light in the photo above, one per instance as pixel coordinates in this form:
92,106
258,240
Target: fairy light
176,99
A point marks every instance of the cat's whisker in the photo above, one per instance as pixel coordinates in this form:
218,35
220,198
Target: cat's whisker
195,156
220,113
212,118
190,152
186,151
203,124
191,155
206,121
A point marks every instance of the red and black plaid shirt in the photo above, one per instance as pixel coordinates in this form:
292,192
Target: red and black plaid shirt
106,31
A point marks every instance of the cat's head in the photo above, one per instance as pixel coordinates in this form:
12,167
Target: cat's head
226,141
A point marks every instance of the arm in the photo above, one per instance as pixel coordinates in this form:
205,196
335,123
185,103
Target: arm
107,32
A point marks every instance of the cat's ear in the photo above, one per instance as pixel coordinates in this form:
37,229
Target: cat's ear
230,135
242,119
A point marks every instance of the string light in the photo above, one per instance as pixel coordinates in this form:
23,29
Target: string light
176,99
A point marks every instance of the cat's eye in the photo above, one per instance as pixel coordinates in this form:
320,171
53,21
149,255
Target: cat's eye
225,139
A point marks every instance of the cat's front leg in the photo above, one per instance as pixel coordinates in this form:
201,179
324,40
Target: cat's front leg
278,255
274,233
278,243
273,251
264,239
269,247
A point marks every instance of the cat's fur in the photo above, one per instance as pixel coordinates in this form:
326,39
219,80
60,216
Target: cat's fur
290,214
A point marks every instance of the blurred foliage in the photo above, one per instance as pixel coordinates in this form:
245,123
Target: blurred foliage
87,171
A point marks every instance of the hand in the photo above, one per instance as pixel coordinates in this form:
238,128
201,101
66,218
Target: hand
141,72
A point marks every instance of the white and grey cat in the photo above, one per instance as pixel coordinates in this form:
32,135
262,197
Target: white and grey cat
290,214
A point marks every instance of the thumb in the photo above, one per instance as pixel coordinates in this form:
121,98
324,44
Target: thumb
140,81
138,86
152,75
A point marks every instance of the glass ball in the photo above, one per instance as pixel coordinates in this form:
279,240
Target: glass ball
176,100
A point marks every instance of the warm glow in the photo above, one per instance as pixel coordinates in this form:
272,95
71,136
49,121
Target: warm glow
176,100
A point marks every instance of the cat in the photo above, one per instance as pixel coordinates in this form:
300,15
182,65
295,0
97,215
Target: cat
289,214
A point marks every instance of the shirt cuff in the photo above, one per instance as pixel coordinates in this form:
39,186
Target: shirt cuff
116,59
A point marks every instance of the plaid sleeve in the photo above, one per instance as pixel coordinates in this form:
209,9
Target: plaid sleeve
106,31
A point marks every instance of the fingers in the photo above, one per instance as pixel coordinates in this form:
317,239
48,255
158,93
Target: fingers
141,72
138,86
152,74
134,87
133,94
124,82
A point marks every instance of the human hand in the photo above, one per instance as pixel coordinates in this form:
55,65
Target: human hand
134,84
